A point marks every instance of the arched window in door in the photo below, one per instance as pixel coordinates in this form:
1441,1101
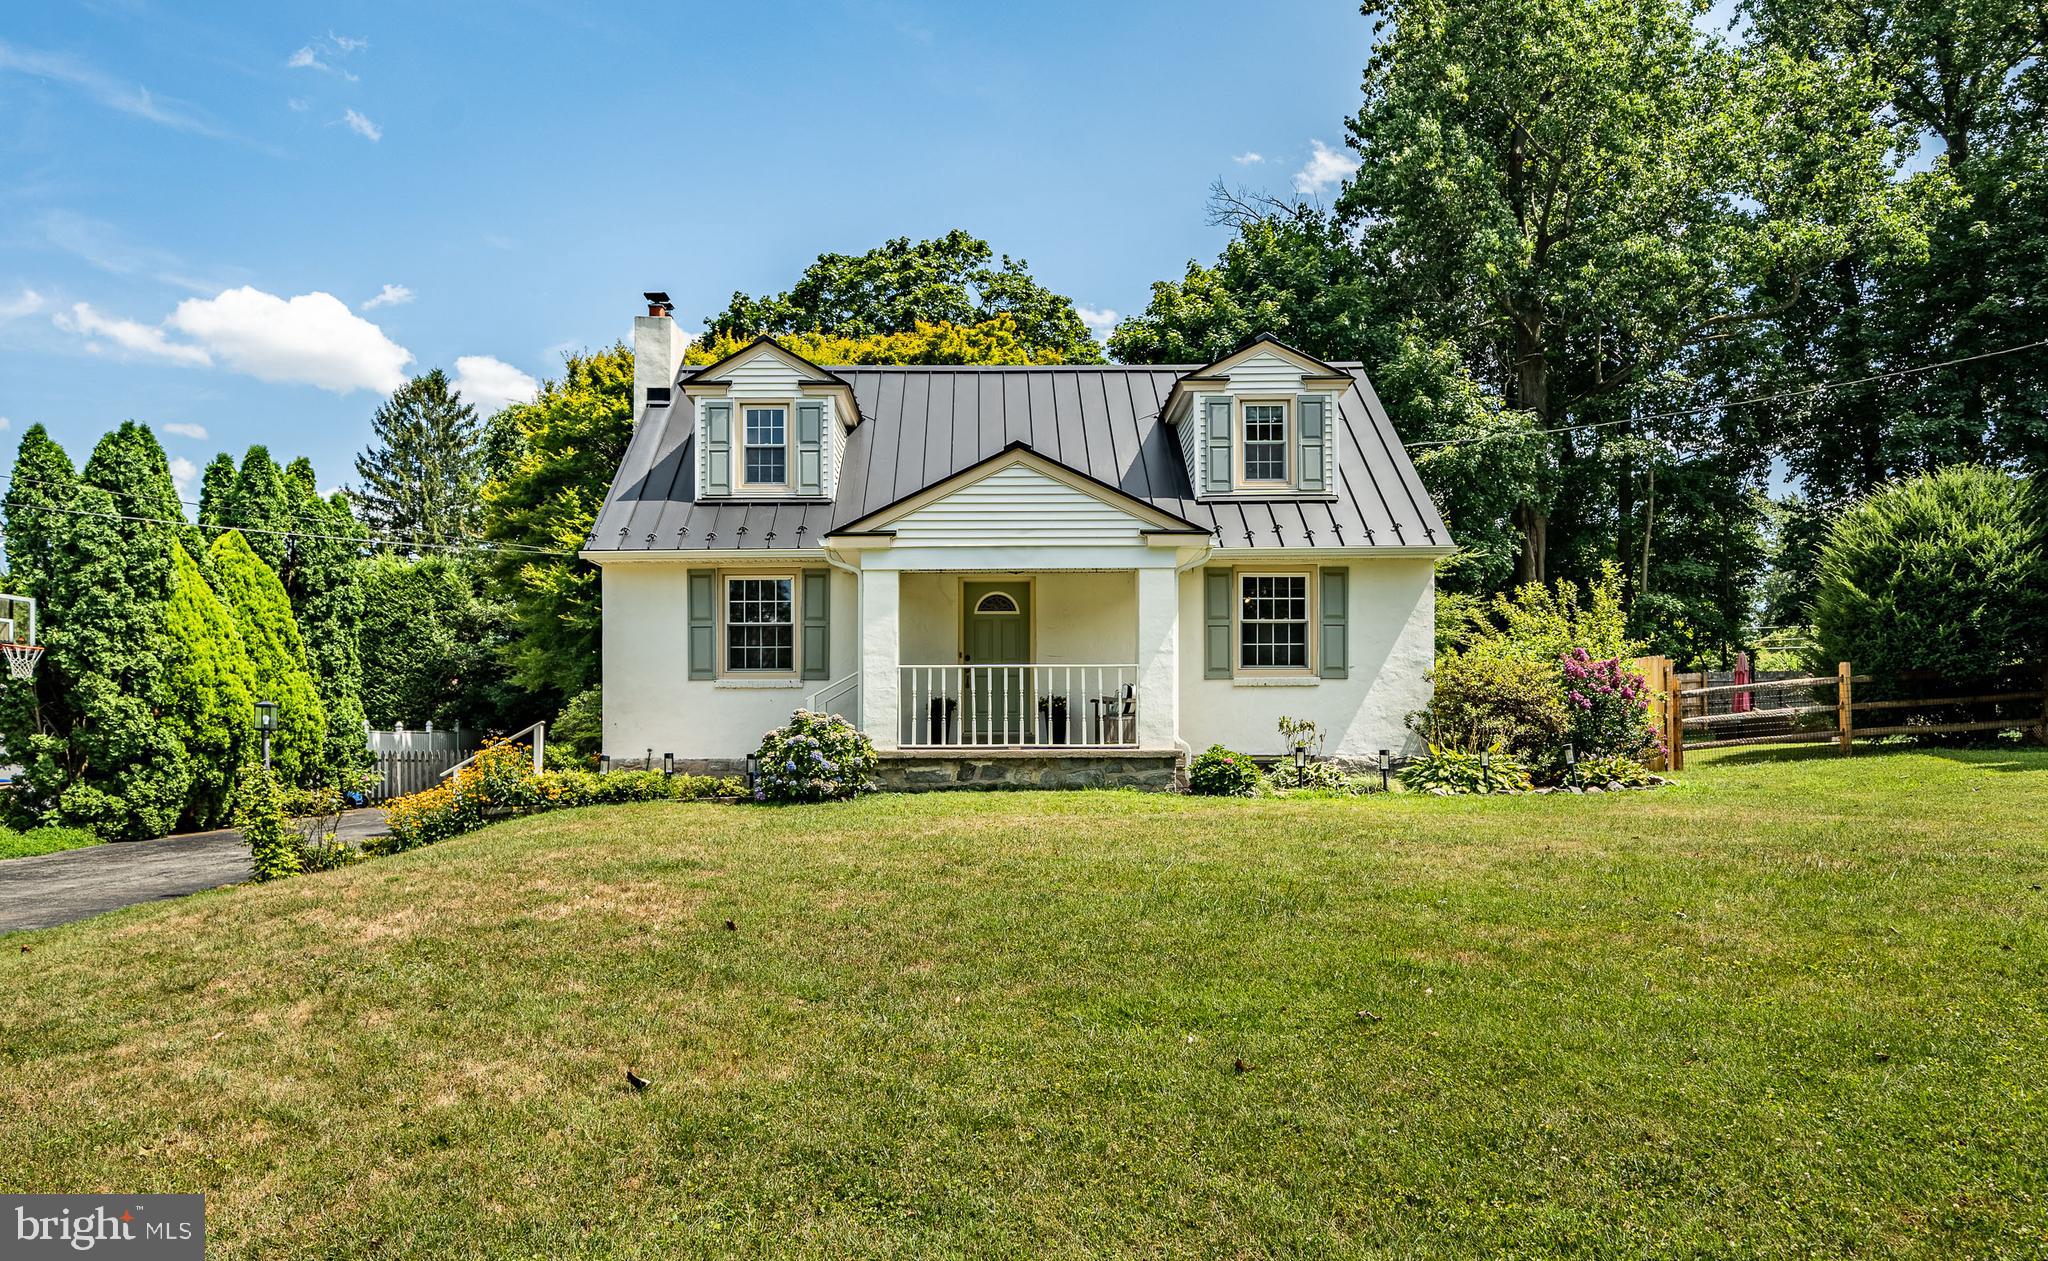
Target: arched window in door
995,602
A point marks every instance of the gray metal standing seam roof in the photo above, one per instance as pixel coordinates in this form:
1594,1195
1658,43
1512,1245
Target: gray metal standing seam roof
921,425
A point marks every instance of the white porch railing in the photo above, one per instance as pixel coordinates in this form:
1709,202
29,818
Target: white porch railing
1018,706
841,698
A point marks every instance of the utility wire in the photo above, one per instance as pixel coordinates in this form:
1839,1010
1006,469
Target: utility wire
372,540
1802,392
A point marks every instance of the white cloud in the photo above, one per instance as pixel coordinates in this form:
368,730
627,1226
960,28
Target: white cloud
1100,320
183,471
308,58
6,423
312,339
1325,167
347,43
362,126
389,295
27,302
185,429
135,338
298,104
1248,158
135,100
492,383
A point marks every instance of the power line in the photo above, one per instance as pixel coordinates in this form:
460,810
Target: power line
369,540
1802,392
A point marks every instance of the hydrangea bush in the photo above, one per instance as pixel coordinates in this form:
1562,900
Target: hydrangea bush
814,757
1220,772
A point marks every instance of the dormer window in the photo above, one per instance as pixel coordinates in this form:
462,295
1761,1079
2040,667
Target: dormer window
765,462
1262,460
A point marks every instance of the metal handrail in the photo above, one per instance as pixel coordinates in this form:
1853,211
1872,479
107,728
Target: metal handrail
540,736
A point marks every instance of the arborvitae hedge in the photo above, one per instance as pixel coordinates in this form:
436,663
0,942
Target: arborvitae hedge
213,692
263,613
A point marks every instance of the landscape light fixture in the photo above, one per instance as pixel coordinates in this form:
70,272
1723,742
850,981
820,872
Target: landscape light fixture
668,763
1571,756
1386,764
753,771
604,764
1300,764
266,722
648,765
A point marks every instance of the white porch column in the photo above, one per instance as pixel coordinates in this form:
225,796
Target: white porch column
1158,657
879,652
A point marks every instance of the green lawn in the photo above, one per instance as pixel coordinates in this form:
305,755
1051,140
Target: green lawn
15,844
1793,1007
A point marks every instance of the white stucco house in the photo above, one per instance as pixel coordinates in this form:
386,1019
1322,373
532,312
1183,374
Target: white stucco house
1040,574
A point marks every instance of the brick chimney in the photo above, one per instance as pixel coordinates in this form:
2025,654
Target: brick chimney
657,352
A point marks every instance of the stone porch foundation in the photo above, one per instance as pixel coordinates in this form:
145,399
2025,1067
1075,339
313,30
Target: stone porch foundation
926,770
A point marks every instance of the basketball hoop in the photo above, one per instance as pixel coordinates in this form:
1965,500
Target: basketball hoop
22,653
21,659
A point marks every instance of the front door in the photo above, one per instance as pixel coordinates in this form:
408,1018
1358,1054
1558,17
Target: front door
997,639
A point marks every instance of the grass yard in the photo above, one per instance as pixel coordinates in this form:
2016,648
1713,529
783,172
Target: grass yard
1794,1007
15,844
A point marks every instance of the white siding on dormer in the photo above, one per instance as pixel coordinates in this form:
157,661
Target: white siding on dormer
1190,426
763,376
835,439
1265,373
1013,504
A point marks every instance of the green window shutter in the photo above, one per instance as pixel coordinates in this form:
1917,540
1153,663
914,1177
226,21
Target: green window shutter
817,607
1314,428
1216,623
718,447
1216,422
810,446
1336,641
703,623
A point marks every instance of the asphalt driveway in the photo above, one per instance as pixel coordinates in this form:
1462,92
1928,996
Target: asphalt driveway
49,889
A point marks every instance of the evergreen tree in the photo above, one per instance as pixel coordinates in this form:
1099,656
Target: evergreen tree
258,504
263,614
422,471
95,748
216,488
326,590
213,691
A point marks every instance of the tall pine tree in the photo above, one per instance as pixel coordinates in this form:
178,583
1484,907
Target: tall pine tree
422,472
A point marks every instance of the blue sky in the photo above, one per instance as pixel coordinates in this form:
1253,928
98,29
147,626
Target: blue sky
243,222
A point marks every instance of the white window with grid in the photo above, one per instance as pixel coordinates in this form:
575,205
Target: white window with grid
767,446
1272,622
1265,442
760,625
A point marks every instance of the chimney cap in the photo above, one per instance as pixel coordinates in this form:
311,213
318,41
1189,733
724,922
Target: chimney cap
658,303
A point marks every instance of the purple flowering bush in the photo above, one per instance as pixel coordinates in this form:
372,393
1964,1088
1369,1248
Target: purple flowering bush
1608,705
814,757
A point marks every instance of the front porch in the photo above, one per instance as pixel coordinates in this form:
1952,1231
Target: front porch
1052,663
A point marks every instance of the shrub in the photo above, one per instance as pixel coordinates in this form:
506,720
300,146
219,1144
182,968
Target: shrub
1609,706
1457,771
501,784
1320,779
579,729
1219,772
1484,698
1608,772
260,813
815,757
1946,572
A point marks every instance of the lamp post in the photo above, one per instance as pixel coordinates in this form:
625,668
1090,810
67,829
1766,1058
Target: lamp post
266,722
1386,765
1300,763
668,764
753,772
